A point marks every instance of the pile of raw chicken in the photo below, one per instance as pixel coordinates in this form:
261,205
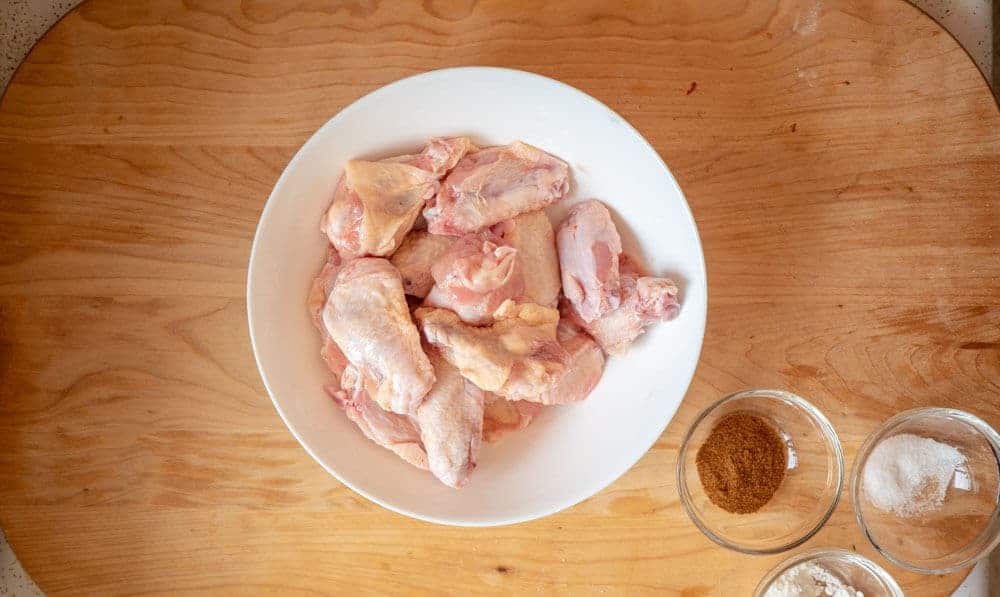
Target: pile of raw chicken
452,312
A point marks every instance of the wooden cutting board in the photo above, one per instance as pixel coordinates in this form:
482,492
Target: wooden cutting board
842,159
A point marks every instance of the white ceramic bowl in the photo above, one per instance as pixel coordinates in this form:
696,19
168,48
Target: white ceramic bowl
568,453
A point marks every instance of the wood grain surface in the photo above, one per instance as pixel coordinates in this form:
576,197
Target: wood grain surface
842,159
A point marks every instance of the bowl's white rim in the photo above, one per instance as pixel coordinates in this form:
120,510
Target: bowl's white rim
593,488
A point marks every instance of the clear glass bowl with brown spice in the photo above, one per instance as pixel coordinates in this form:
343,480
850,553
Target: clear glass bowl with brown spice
760,471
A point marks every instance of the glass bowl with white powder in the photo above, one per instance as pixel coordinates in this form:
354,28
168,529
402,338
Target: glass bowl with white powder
926,489
828,573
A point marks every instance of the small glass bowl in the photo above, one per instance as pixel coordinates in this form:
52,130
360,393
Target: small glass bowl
853,570
960,528
806,498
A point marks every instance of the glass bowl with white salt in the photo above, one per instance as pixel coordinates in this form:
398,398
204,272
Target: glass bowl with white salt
926,489
828,572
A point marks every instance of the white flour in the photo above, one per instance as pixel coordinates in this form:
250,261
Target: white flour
908,475
810,580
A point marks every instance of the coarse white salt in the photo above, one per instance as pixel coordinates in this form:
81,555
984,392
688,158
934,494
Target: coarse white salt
810,580
908,475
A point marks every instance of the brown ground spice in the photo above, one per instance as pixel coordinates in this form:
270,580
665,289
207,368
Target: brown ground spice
742,463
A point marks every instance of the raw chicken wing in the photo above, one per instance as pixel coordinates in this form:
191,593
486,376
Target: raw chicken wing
496,184
389,430
589,247
503,416
376,203
518,357
367,316
384,428
475,276
415,257
584,369
645,300
531,234
451,424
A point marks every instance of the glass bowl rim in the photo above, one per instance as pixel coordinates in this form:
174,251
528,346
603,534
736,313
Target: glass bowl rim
795,401
879,433
812,554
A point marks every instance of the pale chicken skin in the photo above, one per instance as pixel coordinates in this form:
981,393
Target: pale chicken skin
589,248
517,357
390,430
475,276
645,300
532,235
415,258
496,184
366,315
503,416
450,420
583,369
376,203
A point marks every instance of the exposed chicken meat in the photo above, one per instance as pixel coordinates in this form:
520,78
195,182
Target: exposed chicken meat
645,300
415,257
531,234
321,286
367,316
451,424
518,357
474,276
503,416
376,203
320,289
440,155
333,357
583,370
496,184
389,430
589,247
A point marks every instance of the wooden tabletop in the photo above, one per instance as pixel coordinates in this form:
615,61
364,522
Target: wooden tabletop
842,159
